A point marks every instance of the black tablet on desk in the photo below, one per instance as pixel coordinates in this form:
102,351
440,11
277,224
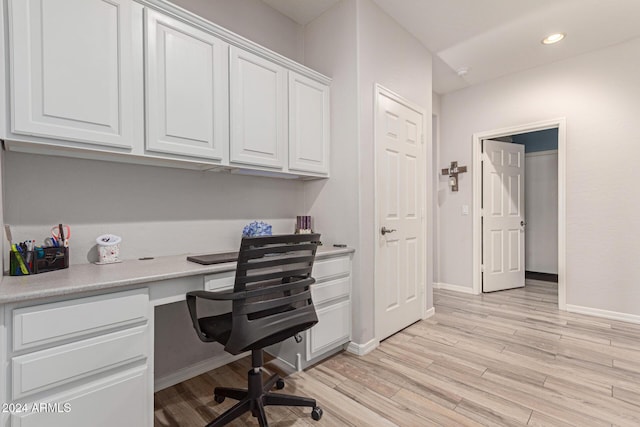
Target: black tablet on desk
214,258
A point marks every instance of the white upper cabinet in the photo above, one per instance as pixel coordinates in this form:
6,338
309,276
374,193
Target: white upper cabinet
72,71
308,125
187,90
258,110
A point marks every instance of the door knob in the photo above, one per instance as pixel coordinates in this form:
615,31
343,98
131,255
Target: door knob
385,230
522,223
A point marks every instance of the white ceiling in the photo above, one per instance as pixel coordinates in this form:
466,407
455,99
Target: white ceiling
493,38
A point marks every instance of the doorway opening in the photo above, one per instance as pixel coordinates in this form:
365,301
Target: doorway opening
540,204
541,263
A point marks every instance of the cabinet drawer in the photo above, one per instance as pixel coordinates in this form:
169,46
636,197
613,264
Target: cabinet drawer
220,281
48,368
332,289
118,400
48,323
331,267
333,329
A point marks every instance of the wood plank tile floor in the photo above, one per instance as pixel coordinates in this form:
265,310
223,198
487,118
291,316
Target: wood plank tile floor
503,359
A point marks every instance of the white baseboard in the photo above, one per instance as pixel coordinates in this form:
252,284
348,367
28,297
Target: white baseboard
362,349
429,313
614,315
194,370
455,288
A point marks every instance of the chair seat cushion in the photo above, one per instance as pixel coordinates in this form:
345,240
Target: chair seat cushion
217,328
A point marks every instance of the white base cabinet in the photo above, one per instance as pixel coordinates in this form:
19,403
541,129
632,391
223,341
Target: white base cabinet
331,296
80,362
118,400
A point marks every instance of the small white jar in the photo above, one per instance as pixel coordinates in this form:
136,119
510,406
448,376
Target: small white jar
108,248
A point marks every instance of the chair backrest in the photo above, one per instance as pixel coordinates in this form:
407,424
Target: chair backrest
275,274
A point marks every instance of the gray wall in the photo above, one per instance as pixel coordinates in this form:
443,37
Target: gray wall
390,56
159,211
541,211
598,94
254,20
358,45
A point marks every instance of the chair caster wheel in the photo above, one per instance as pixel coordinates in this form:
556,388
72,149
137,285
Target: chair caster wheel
218,399
316,414
280,384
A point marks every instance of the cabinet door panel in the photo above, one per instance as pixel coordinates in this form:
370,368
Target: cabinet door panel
187,91
42,370
72,70
331,290
333,328
258,110
47,323
119,400
308,125
331,268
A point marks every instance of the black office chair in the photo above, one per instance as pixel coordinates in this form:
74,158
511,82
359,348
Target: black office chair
271,302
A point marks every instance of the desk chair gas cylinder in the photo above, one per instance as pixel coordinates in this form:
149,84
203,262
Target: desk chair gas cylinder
271,302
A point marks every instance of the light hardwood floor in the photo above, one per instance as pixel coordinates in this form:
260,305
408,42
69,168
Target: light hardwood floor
506,358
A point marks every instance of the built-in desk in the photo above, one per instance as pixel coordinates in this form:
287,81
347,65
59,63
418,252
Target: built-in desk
79,343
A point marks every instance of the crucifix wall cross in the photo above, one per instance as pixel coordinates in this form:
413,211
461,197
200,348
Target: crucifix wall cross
453,172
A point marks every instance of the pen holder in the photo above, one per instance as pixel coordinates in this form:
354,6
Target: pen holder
41,260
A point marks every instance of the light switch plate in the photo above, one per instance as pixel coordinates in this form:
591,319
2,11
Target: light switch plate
465,209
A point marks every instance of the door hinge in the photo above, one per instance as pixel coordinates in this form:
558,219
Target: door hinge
482,268
422,138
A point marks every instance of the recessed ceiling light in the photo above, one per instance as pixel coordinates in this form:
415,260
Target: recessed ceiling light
553,38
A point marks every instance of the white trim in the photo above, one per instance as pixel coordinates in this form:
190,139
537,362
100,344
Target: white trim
454,288
435,187
194,370
541,153
561,125
362,349
430,313
378,89
614,315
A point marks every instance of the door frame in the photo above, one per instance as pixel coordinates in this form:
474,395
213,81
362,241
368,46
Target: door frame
561,125
378,89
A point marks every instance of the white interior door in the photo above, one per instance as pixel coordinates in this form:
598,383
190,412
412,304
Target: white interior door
399,280
503,216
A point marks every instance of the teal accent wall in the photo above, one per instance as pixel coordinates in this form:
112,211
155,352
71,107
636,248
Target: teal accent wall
542,140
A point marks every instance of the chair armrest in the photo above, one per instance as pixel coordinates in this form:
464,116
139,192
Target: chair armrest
217,296
193,312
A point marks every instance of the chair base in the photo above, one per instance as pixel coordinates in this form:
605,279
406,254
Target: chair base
256,397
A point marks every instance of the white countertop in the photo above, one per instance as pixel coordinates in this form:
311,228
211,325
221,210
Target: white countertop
91,277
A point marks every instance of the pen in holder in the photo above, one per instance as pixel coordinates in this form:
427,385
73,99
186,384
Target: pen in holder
40,260
303,225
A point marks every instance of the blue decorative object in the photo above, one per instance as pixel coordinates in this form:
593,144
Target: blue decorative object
256,228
